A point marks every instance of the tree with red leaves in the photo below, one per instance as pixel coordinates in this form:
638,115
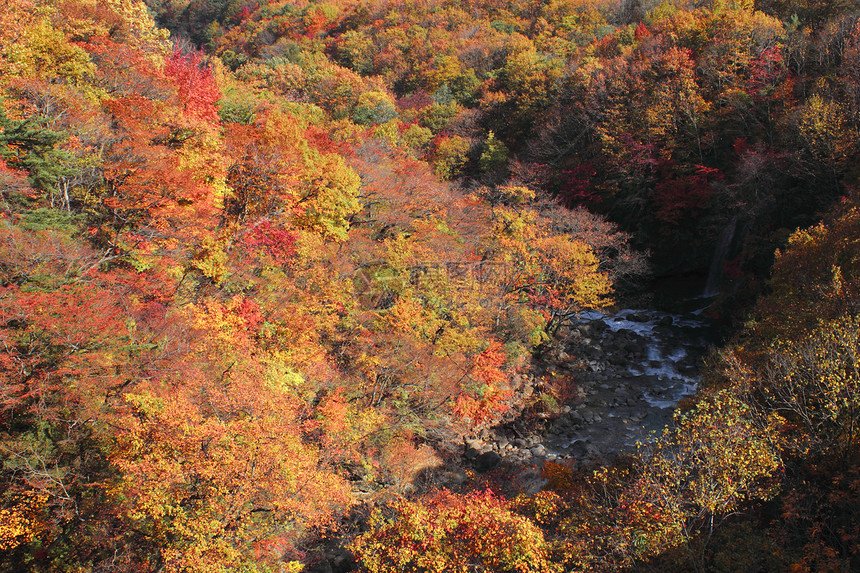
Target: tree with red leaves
198,90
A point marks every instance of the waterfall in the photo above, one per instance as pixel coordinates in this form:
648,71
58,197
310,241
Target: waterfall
715,274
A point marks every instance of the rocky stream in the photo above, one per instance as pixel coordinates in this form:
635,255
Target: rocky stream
630,369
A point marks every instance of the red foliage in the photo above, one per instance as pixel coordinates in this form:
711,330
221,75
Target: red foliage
486,369
642,31
766,70
145,177
250,313
641,157
320,138
684,197
279,244
577,188
416,101
195,83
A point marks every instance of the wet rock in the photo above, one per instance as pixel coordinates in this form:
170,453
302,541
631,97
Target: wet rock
487,461
322,567
538,451
578,450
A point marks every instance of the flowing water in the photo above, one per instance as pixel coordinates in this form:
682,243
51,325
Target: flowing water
721,253
631,368
643,363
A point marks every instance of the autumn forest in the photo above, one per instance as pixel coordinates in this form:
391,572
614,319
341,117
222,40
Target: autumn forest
266,266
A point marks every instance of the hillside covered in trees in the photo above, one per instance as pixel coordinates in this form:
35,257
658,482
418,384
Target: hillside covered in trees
263,265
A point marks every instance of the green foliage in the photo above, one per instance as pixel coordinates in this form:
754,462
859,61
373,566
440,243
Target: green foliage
416,138
236,112
233,60
494,154
46,219
437,116
27,144
374,114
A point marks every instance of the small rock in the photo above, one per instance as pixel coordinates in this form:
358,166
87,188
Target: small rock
322,567
487,461
454,477
538,451
578,450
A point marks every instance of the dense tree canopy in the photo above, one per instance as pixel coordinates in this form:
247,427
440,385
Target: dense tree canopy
257,270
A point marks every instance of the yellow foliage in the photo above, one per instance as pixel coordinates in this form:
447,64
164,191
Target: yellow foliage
139,30
717,456
825,129
445,70
450,157
19,522
46,53
516,194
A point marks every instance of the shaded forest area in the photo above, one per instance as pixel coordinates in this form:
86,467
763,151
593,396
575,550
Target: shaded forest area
263,263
